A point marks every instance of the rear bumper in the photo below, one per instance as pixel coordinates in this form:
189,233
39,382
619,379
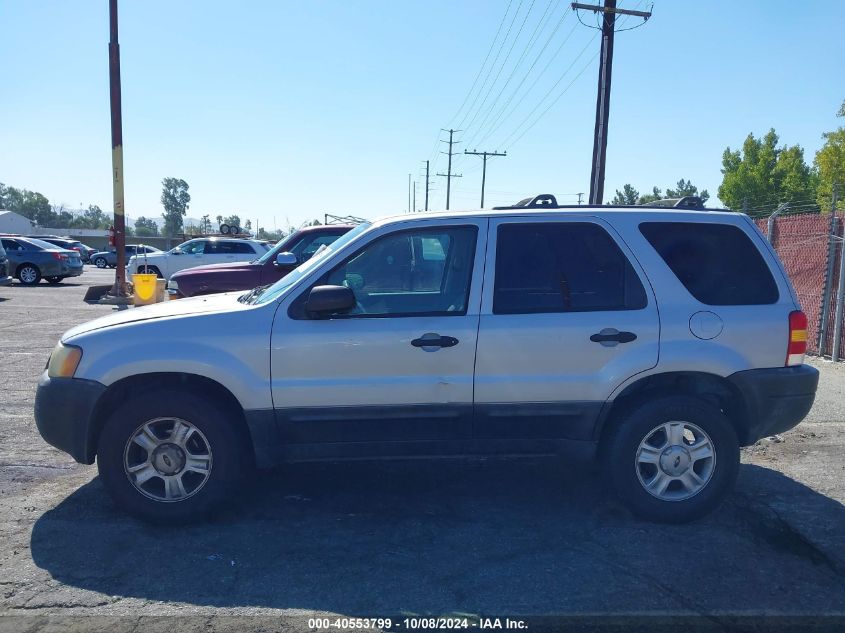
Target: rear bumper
5,280
776,399
64,414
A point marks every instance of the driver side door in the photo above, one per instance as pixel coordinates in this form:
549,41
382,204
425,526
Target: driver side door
399,367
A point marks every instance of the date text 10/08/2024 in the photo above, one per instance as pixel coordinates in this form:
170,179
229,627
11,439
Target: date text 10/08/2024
416,623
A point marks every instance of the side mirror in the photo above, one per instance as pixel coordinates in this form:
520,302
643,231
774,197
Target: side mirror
329,299
286,259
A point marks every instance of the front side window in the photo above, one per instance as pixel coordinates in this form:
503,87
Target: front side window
11,245
562,267
717,263
410,273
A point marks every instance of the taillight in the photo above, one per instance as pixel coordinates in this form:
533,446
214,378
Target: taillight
797,346
59,256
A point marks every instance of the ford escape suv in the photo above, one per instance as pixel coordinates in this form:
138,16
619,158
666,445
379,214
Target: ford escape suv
658,341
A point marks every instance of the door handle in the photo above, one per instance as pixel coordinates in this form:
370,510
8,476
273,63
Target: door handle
434,340
611,336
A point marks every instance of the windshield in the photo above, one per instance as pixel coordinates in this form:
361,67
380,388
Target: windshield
42,244
272,292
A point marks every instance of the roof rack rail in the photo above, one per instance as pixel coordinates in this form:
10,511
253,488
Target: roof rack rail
548,201
543,201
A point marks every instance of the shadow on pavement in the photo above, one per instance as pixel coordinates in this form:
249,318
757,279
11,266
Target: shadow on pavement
529,537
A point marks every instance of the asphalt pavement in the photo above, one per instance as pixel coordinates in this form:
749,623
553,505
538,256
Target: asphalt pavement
391,539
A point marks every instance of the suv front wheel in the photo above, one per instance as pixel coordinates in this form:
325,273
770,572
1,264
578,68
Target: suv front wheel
170,457
672,459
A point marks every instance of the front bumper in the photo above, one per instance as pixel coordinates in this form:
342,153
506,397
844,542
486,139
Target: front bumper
64,414
776,399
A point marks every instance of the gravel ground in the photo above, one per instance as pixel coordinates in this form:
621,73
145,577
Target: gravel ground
384,539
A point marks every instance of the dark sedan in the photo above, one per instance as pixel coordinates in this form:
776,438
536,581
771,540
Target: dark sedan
267,269
108,259
31,260
67,244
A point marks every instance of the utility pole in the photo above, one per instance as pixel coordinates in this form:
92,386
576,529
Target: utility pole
449,175
580,195
608,12
414,206
409,193
118,293
484,156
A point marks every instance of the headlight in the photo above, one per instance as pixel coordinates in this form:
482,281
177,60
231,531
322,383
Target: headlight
64,359
173,285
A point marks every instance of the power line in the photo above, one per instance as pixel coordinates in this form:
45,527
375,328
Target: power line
484,63
532,39
490,70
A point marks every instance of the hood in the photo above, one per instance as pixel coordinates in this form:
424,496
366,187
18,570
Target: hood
169,309
212,267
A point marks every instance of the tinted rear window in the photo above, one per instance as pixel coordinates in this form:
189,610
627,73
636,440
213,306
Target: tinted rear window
562,267
717,263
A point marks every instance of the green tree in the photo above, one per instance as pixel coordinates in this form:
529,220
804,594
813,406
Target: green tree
205,224
686,188
830,166
145,227
650,197
763,174
29,204
92,218
628,196
175,200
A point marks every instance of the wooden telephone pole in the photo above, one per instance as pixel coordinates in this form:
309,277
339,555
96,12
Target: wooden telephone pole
484,156
608,13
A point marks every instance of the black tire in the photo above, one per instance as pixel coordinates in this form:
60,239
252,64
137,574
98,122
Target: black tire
101,262
227,445
152,270
54,280
625,475
28,274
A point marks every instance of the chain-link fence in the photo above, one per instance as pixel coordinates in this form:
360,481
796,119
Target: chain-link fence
803,243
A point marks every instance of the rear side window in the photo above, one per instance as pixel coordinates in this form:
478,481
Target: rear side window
229,248
717,263
562,267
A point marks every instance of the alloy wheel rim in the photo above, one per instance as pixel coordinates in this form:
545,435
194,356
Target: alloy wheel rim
101,263
29,274
167,459
675,461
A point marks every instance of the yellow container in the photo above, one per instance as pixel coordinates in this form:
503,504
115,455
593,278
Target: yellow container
145,289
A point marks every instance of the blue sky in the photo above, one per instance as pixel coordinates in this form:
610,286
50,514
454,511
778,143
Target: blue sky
281,111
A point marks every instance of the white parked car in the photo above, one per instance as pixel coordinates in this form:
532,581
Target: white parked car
200,251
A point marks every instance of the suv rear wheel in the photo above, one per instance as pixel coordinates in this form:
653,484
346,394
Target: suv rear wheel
672,459
101,262
170,457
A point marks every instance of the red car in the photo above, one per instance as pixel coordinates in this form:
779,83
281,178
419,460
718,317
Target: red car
267,269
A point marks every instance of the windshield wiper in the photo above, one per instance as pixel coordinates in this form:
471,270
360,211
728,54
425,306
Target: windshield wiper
253,294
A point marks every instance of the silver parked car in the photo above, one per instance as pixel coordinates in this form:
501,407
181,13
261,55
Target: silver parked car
655,340
31,260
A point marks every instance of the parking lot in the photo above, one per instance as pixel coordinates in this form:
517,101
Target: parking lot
389,538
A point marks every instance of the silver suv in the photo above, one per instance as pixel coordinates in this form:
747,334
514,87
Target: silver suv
658,341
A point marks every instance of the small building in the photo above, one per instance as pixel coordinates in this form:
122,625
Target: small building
11,222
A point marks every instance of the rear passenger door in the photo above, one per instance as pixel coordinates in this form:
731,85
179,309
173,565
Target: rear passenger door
567,316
